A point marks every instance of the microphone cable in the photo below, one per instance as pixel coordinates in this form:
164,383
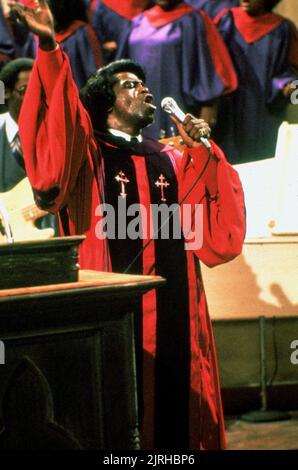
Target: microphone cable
169,218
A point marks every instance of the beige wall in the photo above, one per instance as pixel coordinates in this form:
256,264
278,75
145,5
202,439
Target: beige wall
289,9
4,5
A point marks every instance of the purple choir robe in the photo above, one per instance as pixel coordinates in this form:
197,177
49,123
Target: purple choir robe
7,48
91,7
212,7
183,58
15,40
25,42
83,49
248,119
111,20
109,26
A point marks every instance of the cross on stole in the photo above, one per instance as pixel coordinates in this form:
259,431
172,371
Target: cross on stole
123,180
162,184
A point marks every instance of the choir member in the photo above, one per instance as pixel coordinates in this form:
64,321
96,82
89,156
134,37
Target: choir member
112,18
77,38
264,49
183,56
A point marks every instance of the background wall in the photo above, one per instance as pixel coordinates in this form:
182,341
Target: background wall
287,8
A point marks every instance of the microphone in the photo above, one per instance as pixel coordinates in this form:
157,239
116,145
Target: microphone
170,106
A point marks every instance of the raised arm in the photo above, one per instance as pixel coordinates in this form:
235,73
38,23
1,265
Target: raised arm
55,129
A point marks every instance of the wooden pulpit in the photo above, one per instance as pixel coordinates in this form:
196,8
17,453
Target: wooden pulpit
70,378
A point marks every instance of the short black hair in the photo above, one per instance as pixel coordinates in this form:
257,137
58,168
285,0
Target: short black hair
67,11
270,4
10,72
98,94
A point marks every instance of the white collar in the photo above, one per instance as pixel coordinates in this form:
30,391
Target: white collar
11,127
124,135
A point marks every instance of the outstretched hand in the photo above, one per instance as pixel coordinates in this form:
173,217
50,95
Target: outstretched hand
38,19
192,129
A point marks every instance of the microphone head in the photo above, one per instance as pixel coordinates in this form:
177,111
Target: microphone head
170,106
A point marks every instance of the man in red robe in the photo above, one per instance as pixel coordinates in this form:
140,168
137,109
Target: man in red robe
76,160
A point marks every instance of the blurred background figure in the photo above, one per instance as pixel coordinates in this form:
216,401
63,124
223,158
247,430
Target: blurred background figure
15,39
91,7
77,38
213,7
184,57
7,49
264,49
15,76
111,18
73,32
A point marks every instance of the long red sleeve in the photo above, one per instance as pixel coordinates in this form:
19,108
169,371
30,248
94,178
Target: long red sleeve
55,130
62,160
220,192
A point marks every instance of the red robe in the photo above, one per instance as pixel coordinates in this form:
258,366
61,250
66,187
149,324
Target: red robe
64,165
128,9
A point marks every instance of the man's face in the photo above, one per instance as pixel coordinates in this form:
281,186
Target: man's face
133,108
167,5
253,7
16,95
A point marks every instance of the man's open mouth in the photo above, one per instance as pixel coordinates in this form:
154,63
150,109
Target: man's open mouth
149,100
